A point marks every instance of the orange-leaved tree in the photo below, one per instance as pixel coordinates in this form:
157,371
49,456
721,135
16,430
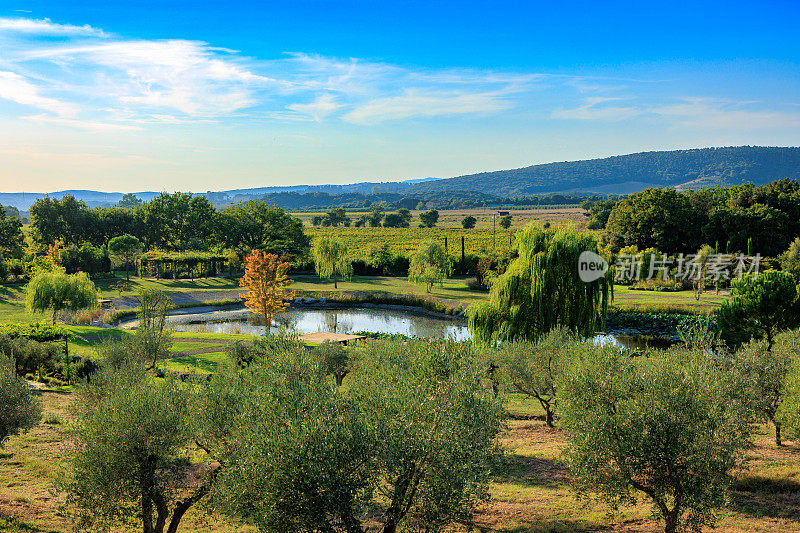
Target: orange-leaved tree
266,281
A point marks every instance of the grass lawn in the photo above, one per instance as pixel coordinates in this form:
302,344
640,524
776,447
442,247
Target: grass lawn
455,291
625,298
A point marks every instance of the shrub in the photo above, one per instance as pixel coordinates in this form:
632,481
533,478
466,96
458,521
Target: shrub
19,409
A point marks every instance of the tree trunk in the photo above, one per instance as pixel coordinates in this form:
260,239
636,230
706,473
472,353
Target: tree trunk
548,417
55,311
778,434
339,378
334,282
127,271
147,514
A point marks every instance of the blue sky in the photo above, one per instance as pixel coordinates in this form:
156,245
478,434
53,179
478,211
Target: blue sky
174,95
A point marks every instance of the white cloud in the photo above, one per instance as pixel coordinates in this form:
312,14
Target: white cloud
320,108
594,109
46,27
17,89
713,113
187,76
415,103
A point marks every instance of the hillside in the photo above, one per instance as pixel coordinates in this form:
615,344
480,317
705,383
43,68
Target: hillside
706,167
623,174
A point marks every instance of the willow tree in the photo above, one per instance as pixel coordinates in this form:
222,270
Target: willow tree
542,289
57,291
332,259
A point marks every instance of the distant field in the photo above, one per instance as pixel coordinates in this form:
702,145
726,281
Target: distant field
485,237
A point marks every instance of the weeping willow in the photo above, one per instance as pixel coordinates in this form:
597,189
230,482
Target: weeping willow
542,290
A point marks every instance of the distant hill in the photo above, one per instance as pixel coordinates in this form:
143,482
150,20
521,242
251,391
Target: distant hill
623,174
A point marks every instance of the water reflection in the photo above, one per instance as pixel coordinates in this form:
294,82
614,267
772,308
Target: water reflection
304,321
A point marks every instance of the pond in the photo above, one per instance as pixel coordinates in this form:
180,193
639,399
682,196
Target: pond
351,320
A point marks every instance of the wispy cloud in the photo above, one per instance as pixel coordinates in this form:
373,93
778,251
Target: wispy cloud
715,113
596,108
320,108
17,89
46,27
417,103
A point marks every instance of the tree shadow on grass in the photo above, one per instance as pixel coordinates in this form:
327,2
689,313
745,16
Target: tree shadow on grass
530,471
766,497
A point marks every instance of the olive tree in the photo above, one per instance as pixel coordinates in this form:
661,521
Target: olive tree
429,264
759,375
130,460
468,222
298,455
57,291
20,410
760,307
331,259
152,339
301,454
534,369
662,427
423,401
335,360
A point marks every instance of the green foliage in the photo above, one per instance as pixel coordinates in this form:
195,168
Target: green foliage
12,239
335,360
126,249
429,218
129,201
298,455
301,454
657,426
468,222
748,219
29,356
790,260
599,211
57,291
152,340
534,369
659,218
401,219
129,461
20,410
429,264
759,375
179,221
542,290
423,400
256,225
760,307
505,221
331,258
787,348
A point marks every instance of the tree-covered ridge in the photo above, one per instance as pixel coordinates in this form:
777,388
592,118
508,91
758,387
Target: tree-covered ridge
696,168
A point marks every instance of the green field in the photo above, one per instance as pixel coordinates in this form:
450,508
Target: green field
486,236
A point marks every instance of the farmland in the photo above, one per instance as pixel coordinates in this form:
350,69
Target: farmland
484,237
